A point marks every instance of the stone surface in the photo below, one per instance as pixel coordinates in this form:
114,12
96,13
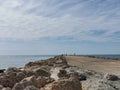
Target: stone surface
38,82
41,72
62,73
1,87
111,77
2,70
80,76
64,84
31,88
12,69
11,76
7,88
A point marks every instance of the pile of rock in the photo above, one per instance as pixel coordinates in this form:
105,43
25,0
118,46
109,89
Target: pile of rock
64,84
11,76
37,76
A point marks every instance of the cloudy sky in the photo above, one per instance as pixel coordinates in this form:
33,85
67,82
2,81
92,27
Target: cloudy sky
59,26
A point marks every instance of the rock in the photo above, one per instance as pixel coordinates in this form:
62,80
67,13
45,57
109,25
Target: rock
42,81
62,73
7,81
60,61
29,73
20,76
31,88
32,81
33,65
18,86
1,87
23,84
43,67
98,84
64,84
54,72
2,70
80,76
41,72
111,77
10,77
38,72
7,88
102,85
12,69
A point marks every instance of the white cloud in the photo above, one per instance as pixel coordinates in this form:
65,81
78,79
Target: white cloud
11,3
17,23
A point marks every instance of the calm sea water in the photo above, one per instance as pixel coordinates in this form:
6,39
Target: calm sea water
19,60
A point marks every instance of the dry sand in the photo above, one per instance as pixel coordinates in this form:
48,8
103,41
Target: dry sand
96,64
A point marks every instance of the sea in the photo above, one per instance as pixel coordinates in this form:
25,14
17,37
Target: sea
19,61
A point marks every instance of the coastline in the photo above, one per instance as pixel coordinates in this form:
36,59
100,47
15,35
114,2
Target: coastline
20,60
69,72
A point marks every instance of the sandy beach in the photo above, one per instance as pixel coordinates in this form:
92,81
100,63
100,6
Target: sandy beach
96,64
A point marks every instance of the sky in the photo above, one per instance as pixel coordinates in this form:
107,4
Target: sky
38,27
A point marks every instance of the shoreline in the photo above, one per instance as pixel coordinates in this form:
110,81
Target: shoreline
64,71
86,56
22,60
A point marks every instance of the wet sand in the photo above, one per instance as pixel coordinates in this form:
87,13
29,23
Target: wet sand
96,64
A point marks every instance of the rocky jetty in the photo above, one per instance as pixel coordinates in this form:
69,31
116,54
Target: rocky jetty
56,74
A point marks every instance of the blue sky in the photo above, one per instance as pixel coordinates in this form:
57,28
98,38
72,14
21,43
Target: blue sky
59,26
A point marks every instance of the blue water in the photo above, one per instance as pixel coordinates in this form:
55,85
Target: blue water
19,60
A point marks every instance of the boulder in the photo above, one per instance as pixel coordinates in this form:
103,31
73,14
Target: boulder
12,69
7,88
33,65
1,87
38,72
58,61
111,77
7,81
29,73
24,83
32,81
10,77
98,84
80,76
41,72
64,84
19,86
62,74
42,81
20,76
2,70
31,88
